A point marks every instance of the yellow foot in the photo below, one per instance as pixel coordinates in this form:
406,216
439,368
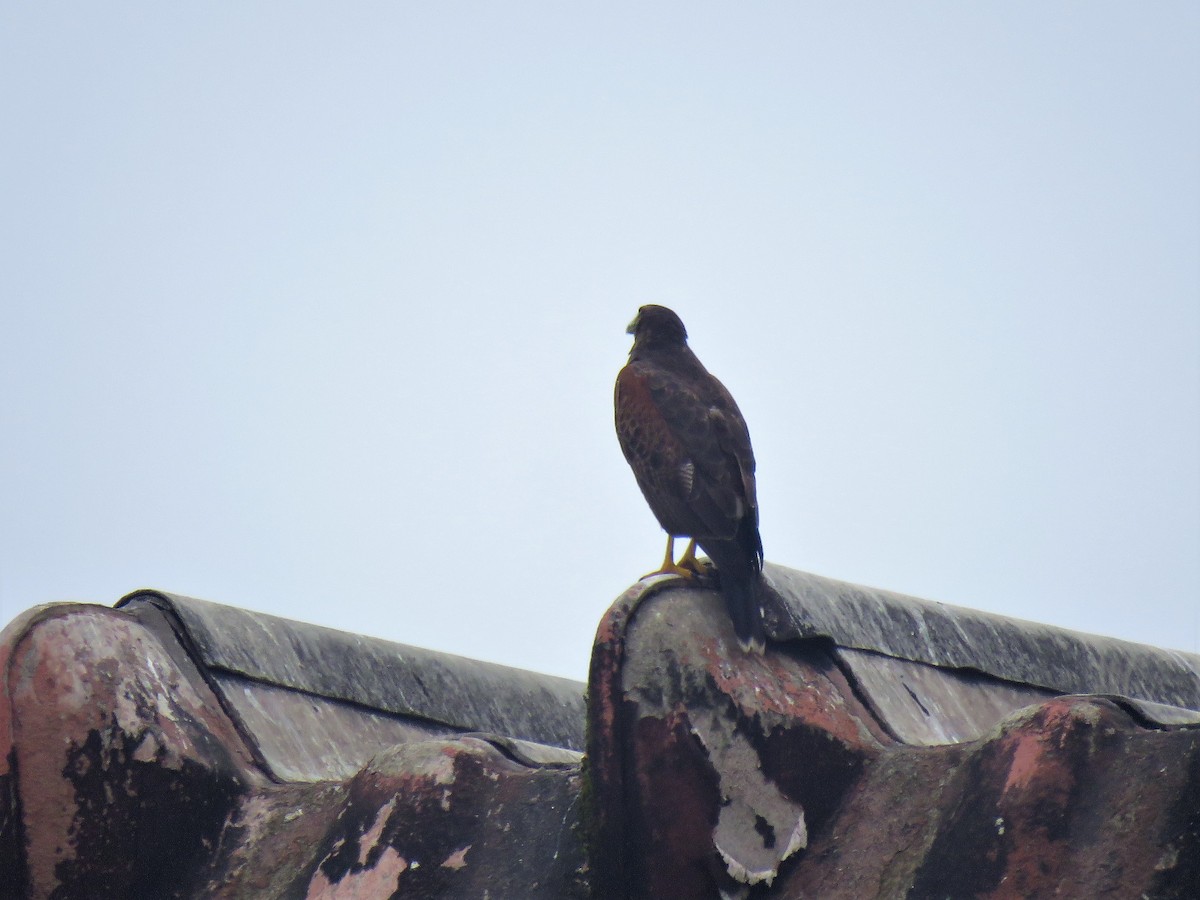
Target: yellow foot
671,570
689,562
688,566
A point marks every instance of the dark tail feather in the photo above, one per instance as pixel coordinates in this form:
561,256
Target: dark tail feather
741,586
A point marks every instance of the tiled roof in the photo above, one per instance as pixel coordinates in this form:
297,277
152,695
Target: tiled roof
886,747
883,747
316,703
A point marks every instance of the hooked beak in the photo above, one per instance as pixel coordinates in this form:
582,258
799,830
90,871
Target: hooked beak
632,327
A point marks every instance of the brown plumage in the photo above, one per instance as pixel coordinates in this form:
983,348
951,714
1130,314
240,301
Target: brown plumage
688,446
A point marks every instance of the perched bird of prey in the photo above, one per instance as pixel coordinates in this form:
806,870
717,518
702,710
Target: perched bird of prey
688,446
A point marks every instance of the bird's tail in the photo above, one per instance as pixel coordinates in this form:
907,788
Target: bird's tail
742,587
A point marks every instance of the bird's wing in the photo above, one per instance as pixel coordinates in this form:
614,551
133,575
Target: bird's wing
650,444
695,448
734,437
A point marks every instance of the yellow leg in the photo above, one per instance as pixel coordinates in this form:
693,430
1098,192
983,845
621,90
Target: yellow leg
687,567
688,560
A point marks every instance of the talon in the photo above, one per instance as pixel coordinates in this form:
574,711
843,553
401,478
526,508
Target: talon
689,562
687,567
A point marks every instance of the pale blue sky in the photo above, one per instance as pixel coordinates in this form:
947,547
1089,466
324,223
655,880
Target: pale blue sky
315,308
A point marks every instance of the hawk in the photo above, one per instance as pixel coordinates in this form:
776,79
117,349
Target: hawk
689,448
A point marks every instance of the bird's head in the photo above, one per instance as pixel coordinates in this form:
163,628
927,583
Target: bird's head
657,325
